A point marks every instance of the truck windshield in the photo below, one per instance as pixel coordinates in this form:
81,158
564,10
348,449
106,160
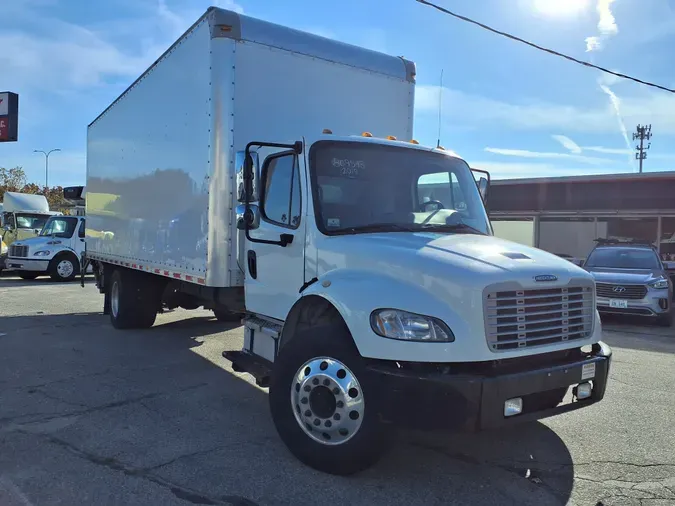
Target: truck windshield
361,187
61,226
30,221
623,258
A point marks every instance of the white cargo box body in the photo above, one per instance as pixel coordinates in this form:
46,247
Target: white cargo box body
16,202
161,158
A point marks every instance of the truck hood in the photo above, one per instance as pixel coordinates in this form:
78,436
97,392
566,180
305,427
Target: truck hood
37,243
467,259
628,276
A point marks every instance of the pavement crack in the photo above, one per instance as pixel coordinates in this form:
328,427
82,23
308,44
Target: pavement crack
184,456
184,493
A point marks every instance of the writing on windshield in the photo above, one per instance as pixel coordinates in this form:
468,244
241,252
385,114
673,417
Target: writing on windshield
366,187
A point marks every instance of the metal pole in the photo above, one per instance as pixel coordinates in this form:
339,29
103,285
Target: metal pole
642,140
46,153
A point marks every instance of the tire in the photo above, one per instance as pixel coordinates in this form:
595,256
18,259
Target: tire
665,320
64,267
28,275
132,304
224,315
326,351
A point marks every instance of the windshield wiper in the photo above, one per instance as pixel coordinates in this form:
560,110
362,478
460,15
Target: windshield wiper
377,227
455,227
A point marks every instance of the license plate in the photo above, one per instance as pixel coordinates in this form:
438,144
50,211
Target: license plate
621,304
588,371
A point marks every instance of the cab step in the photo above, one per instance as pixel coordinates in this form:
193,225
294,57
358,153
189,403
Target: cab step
258,367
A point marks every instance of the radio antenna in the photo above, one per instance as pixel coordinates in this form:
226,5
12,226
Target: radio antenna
440,109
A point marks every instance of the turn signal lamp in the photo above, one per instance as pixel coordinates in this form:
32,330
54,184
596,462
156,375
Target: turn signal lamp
366,134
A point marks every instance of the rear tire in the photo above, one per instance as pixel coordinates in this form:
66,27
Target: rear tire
28,276
133,303
335,430
64,267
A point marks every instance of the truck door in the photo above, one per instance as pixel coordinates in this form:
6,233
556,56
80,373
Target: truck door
275,272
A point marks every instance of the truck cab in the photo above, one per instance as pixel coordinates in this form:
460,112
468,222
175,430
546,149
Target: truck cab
55,251
23,216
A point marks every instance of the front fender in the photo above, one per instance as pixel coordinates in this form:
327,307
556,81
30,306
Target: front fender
356,293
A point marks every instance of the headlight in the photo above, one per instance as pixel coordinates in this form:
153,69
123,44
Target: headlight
660,283
42,253
397,324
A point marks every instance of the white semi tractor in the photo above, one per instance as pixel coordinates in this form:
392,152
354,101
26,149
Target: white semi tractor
270,175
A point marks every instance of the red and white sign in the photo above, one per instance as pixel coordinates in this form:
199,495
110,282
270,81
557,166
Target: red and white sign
9,116
4,104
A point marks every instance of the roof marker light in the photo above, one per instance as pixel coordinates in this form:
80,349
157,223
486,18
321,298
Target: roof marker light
327,131
391,138
440,147
413,141
366,134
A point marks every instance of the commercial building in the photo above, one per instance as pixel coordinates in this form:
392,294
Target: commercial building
565,215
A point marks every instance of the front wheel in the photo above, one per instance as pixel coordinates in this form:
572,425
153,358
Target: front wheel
64,268
323,403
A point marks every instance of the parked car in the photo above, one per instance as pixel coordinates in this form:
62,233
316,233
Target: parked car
631,279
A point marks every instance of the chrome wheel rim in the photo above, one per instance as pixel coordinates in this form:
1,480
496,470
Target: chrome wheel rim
115,299
327,401
65,268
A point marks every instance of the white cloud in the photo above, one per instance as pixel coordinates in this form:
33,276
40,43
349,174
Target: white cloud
608,151
506,170
567,143
524,153
592,44
467,110
607,24
230,5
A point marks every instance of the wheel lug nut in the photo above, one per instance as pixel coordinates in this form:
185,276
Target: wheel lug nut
304,400
336,416
307,388
315,381
336,391
317,422
340,404
326,382
328,423
308,413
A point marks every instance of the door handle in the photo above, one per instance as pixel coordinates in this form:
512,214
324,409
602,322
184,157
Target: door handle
285,239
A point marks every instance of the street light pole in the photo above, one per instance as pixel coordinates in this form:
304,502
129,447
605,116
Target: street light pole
46,153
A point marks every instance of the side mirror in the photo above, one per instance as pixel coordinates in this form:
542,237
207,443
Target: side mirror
7,228
241,165
483,182
483,187
248,217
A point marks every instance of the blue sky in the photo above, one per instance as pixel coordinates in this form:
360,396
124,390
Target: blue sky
507,108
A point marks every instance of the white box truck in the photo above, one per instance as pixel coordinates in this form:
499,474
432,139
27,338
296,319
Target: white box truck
270,175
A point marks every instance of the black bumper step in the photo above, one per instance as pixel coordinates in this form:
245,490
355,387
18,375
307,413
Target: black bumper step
259,368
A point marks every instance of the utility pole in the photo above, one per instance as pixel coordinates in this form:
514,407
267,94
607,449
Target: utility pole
46,153
643,132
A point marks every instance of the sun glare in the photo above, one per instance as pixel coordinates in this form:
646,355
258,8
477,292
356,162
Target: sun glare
560,7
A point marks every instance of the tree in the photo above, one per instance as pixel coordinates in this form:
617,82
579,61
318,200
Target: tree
11,180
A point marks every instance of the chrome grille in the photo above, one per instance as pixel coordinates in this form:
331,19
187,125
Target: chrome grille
619,291
18,251
526,318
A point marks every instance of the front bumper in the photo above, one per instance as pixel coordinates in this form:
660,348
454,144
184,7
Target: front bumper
650,305
473,397
27,264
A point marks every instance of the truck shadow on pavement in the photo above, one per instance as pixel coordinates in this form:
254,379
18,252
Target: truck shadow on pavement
11,281
91,415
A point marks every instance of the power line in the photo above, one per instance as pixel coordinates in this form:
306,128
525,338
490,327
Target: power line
541,48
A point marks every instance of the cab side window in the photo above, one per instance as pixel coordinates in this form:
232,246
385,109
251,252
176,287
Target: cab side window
281,198
80,233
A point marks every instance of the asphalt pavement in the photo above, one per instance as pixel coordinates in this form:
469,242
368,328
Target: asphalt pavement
94,416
